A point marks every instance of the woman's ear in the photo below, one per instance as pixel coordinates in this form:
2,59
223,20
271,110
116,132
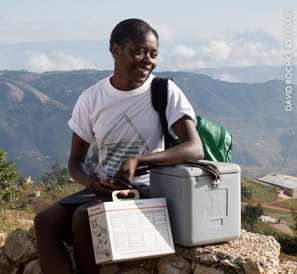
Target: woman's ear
115,49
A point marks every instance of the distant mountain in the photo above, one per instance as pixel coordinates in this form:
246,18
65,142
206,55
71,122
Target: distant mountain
35,109
250,74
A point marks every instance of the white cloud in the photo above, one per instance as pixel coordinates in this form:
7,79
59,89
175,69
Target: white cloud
93,21
217,50
227,77
252,54
183,52
166,33
69,62
192,65
39,62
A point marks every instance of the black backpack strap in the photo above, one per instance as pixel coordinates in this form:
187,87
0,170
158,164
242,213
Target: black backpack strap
159,102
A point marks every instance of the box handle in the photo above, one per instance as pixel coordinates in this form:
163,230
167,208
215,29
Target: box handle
133,194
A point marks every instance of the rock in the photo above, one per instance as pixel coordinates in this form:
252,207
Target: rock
250,254
18,247
32,232
132,270
71,252
174,264
208,259
2,238
36,193
17,270
252,268
288,267
227,262
33,267
201,269
109,269
6,265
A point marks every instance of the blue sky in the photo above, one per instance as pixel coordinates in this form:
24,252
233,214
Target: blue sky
193,34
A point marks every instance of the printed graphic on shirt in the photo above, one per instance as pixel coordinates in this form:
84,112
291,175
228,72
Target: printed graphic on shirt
116,152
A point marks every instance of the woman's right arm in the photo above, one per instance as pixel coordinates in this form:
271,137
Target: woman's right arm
77,169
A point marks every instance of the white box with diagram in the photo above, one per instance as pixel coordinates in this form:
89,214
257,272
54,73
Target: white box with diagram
200,212
130,229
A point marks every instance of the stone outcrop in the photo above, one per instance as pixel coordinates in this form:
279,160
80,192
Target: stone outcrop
251,254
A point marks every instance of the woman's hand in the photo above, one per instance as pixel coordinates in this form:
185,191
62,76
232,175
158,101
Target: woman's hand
93,183
127,169
99,186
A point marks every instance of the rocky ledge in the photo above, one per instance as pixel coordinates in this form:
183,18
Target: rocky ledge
251,253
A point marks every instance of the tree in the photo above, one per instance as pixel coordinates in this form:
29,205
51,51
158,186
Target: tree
10,185
59,175
250,215
93,160
246,192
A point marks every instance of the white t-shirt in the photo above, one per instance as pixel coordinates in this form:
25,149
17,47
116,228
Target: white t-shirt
124,123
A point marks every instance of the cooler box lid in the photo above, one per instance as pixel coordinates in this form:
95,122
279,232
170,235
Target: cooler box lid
188,171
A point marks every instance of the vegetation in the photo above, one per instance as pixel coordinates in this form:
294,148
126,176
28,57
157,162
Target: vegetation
250,215
93,161
59,175
294,214
287,203
12,219
255,192
246,192
287,242
10,185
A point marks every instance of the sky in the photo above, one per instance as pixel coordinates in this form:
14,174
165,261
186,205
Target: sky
42,36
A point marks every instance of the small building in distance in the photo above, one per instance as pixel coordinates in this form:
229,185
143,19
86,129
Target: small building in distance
287,183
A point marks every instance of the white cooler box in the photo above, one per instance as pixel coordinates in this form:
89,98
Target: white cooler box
200,213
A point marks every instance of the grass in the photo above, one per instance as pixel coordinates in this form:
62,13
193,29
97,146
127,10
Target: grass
261,193
21,213
287,203
12,219
49,194
266,228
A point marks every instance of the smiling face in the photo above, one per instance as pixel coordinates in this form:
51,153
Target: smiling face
134,61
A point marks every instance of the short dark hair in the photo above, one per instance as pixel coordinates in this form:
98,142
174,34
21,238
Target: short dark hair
128,30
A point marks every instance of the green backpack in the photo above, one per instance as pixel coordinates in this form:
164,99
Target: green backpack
217,142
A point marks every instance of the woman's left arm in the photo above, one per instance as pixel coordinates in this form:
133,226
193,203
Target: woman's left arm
190,148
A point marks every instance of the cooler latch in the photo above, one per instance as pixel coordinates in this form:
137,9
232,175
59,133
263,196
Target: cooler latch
216,183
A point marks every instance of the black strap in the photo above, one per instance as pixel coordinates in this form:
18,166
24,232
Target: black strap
159,102
205,165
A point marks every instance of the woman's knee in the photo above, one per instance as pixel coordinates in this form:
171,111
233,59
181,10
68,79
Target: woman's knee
41,220
53,217
80,218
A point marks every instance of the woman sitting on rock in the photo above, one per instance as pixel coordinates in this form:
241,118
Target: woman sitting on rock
116,113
